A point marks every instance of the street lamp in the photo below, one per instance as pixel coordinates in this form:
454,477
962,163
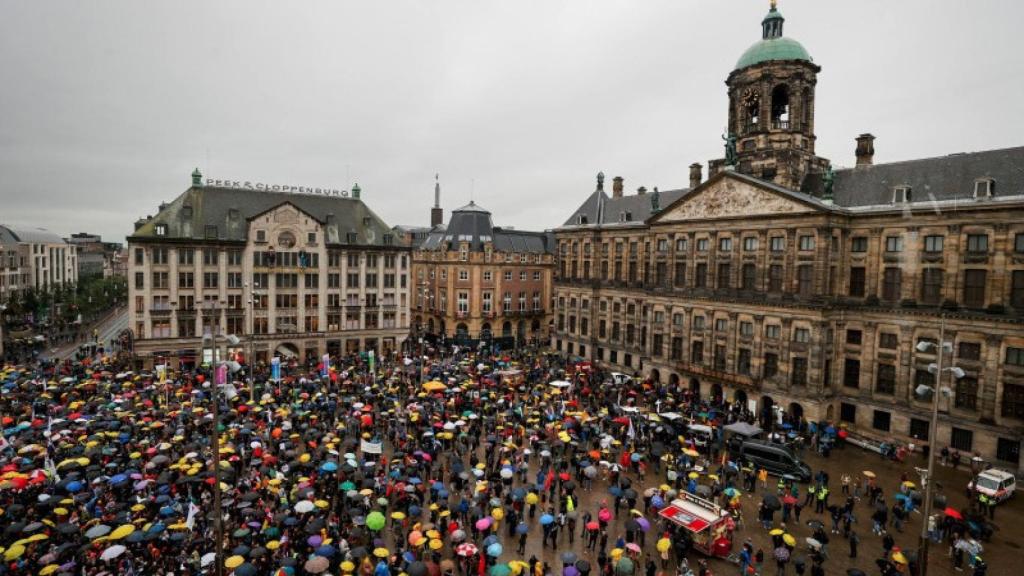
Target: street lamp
212,339
3,308
940,349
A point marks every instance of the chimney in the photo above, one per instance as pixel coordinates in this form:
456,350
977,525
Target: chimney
695,175
865,150
641,191
617,187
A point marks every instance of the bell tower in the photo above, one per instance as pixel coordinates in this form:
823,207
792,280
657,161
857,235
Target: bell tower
771,108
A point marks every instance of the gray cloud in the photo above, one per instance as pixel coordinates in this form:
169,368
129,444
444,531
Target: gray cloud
107,106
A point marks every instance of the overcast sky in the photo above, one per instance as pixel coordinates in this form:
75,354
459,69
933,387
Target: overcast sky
107,106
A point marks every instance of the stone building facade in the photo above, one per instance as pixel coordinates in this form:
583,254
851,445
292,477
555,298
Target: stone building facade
35,258
478,282
794,288
291,274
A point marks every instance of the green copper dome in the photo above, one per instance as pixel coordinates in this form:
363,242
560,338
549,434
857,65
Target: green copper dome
769,49
773,45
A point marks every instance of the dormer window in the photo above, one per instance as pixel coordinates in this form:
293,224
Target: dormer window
161,230
901,194
625,217
984,188
582,220
261,235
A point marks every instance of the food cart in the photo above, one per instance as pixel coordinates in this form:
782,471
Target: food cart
708,525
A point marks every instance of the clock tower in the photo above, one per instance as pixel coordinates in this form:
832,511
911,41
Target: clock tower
771,109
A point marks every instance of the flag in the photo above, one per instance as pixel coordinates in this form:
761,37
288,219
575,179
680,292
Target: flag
631,433
191,520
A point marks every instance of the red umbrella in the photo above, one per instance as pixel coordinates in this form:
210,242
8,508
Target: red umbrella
953,513
788,499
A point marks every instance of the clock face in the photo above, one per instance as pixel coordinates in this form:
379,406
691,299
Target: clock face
749,96
286,240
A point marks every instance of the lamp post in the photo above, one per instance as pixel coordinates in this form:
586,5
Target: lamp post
218,521
250,361
940,349
3,308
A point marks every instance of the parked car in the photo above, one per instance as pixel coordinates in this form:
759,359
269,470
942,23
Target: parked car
777,459
994,483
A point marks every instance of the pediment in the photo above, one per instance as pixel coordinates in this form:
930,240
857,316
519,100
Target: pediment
729,196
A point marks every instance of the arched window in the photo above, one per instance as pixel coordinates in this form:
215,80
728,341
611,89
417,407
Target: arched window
780,107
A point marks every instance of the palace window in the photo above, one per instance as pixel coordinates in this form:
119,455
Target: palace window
933,243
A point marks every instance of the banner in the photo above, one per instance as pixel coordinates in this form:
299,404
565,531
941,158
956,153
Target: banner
372,361
275,369
221,375
371,447
325,372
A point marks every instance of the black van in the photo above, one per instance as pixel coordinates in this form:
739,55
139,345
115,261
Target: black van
775,458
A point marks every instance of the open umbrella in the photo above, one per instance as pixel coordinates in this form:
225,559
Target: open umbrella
466,549
624,567
112,552
316,564
569,557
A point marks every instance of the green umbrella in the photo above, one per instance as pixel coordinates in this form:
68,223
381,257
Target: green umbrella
375,521
624,567
500,570
347,485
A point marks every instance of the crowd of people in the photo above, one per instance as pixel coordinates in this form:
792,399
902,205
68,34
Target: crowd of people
514,464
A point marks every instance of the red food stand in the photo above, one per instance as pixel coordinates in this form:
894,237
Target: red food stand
709,526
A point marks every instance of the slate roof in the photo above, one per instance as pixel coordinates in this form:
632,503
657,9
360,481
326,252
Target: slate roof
943,178
472,224
638,206
230,209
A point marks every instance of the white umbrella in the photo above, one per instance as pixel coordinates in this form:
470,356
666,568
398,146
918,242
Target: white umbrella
112,552
559,384
304,506
207,559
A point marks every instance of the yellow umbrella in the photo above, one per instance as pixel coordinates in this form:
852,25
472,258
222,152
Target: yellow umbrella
347,566
273,545
434,386
869,473
664,545
121,532
381,552
776,532
436,544
616,553
789,540
694,475
234,562
899,558
909,484
664,487
398,515
691,452
49,569
14,552
532,498
517,567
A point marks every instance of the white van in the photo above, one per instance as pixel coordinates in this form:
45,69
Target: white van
994,483
618,378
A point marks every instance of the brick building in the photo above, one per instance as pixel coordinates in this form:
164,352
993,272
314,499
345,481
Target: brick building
475,281
795,288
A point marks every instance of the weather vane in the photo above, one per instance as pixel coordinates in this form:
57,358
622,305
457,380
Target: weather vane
773,4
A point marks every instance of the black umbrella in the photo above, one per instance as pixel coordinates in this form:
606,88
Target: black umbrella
417,569
583,566
815,524
771,501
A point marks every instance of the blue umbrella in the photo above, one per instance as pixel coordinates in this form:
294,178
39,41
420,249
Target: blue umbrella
657,501
329,466
615,491
118,479
414,480
546,519
635,457
786,425
74,486
494,550
492,539
167,511
326,551
522,528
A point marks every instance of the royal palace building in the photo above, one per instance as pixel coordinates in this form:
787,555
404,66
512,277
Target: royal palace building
293,272
798,289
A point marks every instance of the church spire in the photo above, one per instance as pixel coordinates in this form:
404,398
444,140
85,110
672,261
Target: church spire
771,26
436,213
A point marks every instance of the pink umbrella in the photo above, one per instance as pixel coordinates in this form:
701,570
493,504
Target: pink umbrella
633,547
604,515
483,523
466,549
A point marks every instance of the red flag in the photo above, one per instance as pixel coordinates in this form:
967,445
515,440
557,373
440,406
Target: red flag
482,566
549,479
